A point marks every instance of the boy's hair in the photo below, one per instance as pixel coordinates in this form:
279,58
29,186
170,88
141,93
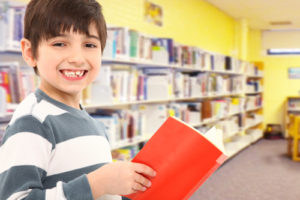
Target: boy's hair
45,19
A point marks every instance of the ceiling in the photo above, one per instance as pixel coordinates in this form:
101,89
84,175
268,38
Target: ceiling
260,13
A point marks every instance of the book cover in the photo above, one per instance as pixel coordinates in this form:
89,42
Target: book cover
183,159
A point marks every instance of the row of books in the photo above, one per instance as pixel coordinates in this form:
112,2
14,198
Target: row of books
253,86
125,83
141,121
125,153
253,102
128,44
294,104
252,119
123,126
234,144
252,70
11,25
235,124
17,81
198,113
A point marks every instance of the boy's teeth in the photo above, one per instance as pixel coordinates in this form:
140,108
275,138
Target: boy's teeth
73,74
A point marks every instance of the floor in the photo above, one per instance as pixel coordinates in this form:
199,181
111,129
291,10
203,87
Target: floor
260,172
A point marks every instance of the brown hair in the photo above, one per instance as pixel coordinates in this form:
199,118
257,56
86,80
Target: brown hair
45,19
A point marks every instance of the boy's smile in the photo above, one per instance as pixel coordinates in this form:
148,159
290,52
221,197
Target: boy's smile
68,63
73,74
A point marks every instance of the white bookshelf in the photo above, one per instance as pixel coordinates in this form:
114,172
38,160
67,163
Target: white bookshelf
190,99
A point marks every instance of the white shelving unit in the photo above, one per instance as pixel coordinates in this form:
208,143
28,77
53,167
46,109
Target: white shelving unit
239,147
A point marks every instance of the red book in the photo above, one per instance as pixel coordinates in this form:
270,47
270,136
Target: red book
4,82
183,159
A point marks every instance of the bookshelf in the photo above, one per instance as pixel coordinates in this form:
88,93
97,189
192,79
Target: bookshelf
251,104
146,81
292,106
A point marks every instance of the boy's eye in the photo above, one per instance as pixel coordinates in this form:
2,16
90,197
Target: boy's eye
58,44
90,45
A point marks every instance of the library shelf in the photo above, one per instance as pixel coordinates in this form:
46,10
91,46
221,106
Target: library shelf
254,109
155,101
292,106
254,76
256,92
11,51
129,142
210,95
215,119
150,64
293,110
256,123
4,118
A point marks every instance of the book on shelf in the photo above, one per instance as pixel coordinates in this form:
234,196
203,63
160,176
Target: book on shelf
11,25
189,112
122,126
125,153
100,89
158,84
125,43
18,81
14,80
162,50
206,109
2,100
4,83
183,159
153,115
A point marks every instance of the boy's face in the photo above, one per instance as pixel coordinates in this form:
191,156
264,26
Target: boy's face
68,63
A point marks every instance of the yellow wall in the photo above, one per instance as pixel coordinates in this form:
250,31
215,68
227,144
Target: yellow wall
277,85
191,22
254,45
241,39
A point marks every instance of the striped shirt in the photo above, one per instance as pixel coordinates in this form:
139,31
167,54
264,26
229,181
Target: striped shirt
47,150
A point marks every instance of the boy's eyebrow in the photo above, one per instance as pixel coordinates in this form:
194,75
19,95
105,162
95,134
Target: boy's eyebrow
93,36
88,36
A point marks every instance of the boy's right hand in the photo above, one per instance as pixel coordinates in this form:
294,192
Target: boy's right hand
120,178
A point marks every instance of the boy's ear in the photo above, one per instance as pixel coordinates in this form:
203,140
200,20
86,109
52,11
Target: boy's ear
27,52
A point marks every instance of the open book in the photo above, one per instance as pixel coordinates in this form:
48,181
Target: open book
183,159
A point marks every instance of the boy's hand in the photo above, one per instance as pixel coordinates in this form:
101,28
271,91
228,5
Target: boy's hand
120,178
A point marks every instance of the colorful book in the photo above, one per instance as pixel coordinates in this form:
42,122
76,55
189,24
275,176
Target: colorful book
183,159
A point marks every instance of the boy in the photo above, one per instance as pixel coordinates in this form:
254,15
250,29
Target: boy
52,148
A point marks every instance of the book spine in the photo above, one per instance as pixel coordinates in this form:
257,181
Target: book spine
4,82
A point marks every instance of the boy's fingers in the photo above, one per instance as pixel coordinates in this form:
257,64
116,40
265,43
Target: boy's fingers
138,187
142,180
144,169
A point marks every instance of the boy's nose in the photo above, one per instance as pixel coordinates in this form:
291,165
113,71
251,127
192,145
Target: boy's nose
76,57
75,60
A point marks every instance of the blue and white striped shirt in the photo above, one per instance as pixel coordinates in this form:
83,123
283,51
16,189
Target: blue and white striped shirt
47,150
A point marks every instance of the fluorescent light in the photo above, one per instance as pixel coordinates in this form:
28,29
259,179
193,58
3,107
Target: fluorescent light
283,51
